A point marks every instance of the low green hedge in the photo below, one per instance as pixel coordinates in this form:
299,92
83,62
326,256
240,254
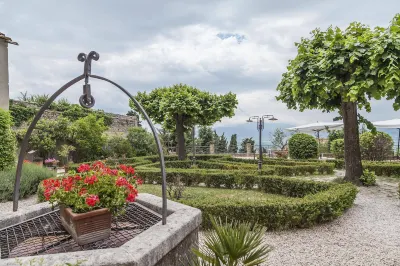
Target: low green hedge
338,163
300,203
32,175
280,170
323,206
383,169
211,177
306,169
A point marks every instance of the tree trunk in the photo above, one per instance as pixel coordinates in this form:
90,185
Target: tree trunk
352,154
180,134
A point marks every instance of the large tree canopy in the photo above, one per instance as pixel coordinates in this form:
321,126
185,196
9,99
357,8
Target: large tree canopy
343,70
180,107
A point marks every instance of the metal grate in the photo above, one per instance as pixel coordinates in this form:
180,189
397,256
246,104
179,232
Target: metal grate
45,234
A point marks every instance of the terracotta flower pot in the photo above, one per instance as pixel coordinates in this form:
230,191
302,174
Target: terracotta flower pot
86,227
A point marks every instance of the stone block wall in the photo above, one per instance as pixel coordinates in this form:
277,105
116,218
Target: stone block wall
120,123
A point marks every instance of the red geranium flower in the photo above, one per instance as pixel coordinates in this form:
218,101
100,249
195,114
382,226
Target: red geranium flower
54,183
98,165
121,181
77,178
123,167
92,200
68,183
47,193
91,180
83,191
131,189
131,197
127,169
114,172
83,168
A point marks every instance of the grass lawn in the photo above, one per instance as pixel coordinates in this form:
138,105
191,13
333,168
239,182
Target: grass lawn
218,195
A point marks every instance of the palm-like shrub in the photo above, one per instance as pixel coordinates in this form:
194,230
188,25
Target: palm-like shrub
232,244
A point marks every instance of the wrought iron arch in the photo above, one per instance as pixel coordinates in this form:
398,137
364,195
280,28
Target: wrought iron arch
88,101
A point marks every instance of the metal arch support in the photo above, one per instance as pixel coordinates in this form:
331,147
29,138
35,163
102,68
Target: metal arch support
24,144
159,147
87,101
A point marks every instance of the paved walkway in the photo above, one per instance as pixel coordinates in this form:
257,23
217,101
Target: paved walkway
367,234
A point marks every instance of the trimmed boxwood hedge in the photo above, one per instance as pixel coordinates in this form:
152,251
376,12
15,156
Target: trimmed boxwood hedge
323,206
383,169
210,177
308,203
281,170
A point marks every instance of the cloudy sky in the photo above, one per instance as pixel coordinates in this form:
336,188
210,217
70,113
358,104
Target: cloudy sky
238,45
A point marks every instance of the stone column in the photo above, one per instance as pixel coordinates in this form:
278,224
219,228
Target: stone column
248,149
212,148
4,90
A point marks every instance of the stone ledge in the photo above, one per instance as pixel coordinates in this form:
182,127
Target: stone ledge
146,249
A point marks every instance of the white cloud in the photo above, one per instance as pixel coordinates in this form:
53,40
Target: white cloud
174,46
263,102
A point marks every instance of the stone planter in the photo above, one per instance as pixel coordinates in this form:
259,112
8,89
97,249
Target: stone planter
158,245
86,227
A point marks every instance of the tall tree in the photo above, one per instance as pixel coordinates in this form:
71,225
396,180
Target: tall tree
222,144
142,141
279,139
88,137
180,107
233,148
342,70
334,135
244,143
206,136
47,135
216,141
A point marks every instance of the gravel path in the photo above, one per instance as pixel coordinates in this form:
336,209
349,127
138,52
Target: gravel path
367,234
24,203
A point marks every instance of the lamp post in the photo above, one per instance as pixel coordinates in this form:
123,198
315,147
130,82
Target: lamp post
260,127
194,145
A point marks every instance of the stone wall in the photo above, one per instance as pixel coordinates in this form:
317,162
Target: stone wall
120,123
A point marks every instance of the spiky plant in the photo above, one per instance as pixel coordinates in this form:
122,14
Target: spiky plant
232,244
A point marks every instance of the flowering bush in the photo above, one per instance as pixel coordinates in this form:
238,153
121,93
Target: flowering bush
93,187
50,161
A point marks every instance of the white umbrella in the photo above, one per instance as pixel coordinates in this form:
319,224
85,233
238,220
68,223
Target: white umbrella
393,123
317,127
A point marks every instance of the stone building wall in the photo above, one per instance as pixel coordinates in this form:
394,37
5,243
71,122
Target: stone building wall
120,123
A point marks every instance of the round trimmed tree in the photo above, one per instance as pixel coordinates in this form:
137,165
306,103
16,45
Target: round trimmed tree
341,70
337,148
303,146
180,107
376,146
7,141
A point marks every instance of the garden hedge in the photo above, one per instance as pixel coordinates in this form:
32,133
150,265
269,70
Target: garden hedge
307,168
383,169
303,146
224,178
321,202
308,202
